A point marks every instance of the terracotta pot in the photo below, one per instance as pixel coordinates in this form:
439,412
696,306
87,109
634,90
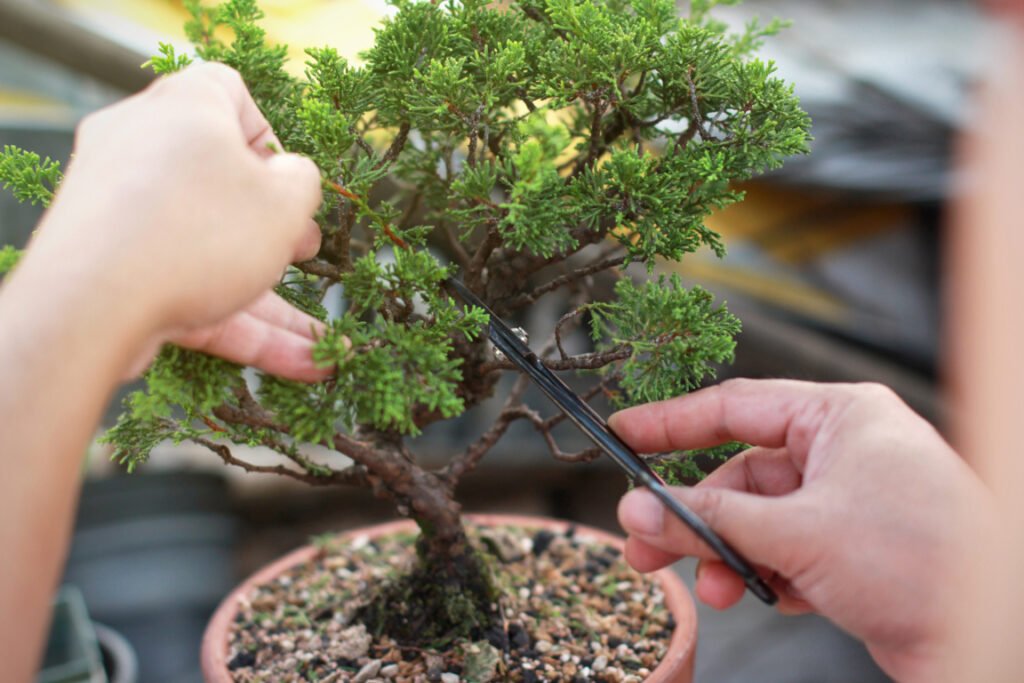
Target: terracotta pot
676,667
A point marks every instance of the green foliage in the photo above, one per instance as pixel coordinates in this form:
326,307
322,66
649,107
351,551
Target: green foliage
9,257
300,290
510,138
30,178
262,66
182,389
168,61
682,469
675,334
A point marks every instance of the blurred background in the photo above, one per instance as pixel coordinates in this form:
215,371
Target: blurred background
835,268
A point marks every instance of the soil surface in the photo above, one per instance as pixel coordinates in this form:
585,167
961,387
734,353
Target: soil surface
572,611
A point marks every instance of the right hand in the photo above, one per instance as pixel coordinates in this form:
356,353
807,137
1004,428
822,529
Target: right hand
853,505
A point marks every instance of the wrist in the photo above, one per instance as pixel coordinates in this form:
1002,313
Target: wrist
55,295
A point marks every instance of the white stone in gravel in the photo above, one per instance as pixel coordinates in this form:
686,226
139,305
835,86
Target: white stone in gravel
595,646
543,646
524,593
449,678
367,672
600,664
352,643
287,645
389,671
565,657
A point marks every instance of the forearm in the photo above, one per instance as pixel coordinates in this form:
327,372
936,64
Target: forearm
62,351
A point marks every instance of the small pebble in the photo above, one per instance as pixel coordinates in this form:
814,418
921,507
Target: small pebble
389,671
449,678
543,646
367,672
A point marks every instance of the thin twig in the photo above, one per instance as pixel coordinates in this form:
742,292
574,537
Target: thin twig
396,146
320,269
352,475
524,300
467,461
695,104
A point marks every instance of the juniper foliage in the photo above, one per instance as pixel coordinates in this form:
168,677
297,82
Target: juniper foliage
543,146
519,135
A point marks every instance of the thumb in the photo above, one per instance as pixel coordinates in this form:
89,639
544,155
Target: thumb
295,191
765,530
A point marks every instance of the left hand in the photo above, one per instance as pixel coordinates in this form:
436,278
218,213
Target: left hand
176,213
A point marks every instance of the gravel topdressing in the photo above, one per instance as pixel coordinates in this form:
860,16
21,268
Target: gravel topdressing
573,611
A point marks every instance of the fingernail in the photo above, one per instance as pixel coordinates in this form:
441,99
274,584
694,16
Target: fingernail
642,513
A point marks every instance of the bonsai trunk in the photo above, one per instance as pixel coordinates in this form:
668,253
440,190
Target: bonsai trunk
448,594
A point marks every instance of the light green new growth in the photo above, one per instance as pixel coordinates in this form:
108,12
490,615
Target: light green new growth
30,178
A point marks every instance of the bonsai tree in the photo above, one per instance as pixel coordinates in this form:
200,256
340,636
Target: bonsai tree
534,148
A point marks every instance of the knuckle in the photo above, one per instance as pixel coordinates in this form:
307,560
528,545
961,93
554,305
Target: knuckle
710,503
88,125
874,394
215,71
735,384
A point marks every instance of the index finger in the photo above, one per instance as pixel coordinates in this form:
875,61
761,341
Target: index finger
771,413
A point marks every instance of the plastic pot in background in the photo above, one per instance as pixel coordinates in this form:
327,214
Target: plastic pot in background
79,651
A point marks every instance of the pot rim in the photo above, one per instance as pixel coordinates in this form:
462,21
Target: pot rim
675,667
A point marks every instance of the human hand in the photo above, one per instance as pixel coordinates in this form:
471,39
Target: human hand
176,210
852,504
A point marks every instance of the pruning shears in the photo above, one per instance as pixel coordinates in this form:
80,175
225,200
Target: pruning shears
593,425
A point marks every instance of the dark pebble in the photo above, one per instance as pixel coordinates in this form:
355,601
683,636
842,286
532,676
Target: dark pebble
586,661
530,654
520,638
529,676
571,531
410,655
580,679
455,668
614,642
325,613
670,623
541,540
632,664
346,663
241,660
497,637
